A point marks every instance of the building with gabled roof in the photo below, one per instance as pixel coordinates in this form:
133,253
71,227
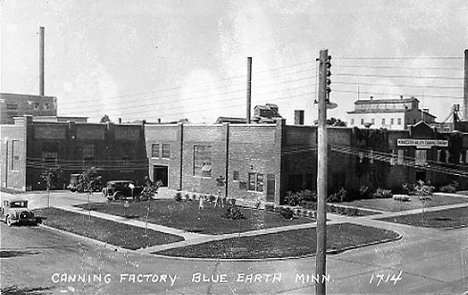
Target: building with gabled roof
394,114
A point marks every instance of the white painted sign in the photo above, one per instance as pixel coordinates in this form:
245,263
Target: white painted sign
422,143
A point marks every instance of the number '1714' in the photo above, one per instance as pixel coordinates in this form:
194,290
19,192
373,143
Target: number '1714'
382,278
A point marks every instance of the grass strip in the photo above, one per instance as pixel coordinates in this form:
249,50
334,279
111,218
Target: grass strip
114,233
448,218
186,216
292,243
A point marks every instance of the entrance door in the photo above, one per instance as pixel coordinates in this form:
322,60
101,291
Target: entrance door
160,174
271,188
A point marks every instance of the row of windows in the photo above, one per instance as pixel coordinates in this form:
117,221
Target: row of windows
37,106
384,121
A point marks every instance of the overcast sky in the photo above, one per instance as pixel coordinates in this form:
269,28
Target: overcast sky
188,59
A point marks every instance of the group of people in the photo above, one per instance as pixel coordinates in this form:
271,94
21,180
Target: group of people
219,201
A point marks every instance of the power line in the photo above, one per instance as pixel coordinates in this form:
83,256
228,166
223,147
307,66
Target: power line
395,76
388,93
399,67
403,57
399,85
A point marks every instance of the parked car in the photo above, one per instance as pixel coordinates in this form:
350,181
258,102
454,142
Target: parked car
121,189
16,211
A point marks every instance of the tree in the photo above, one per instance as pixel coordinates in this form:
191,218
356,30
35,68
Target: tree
149,190
52,177
424,192
105,119
335,122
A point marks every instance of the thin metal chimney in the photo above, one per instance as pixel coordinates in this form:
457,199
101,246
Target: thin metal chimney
249,88
41,61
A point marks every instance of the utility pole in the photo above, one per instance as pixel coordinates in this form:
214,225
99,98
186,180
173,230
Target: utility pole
41,61
320,262
249,88
465,89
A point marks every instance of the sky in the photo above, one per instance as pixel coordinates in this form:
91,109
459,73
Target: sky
175,59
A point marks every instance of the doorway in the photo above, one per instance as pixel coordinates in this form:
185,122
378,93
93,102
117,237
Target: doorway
160,174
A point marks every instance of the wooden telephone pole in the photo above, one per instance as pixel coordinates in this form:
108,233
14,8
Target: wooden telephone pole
320,262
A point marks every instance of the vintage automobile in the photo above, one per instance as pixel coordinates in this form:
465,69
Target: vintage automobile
16,211
121,189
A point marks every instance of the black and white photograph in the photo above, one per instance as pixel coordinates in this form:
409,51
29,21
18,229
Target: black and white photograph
233,147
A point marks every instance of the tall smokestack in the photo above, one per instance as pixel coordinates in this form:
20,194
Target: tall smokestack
465,89
249,88
41,61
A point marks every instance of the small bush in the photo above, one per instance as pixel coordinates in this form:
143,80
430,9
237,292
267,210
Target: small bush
381,193
309,205
270,207
286,213
341,196
187,197
449,188
402,198
194,197
211,198
292,199
409,188
178,197
233,212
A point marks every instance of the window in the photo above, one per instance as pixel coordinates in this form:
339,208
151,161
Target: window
439,156
373,121
399,121
392,159
88,151
352,121
255,182
202,160
47,106
392,121
12,106
421,157
362,121
166,151
401,157
50,158
15,155
155,150
383,121
236,177
36,105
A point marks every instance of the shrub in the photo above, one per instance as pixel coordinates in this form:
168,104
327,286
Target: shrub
194,197
211,198
449,188
423,190
233,212
340,196
286,213
309,205
178,197
292,199
409,188
187,197
270,207
401,198
381,193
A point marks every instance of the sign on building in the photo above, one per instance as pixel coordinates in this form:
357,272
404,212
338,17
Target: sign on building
422,143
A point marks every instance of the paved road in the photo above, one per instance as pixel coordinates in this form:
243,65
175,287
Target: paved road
430,261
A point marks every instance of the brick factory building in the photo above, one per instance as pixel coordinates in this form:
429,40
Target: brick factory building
16,105
258,161
29,147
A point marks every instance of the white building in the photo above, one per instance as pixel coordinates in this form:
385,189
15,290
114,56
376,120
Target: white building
395,114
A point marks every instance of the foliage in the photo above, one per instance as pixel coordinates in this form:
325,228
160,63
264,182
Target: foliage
340,196
233,212
381,193
211,198
449,188
295,199
89,181
423,191
335,122
363,192
150,188
178,197
343,210
105,119
409,189
286,213
52,177
270,207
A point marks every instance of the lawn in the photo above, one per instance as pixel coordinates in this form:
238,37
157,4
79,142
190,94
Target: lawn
391,205
291,243
186,216
449,218
114,233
